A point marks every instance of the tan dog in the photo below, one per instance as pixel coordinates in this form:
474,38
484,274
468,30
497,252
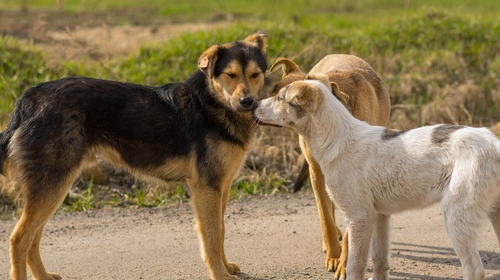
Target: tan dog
367,98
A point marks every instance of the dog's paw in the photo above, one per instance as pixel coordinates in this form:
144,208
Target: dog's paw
50,276
340,273
55,276
331,264
232,268
231,277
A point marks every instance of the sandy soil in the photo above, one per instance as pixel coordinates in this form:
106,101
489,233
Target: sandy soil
276,237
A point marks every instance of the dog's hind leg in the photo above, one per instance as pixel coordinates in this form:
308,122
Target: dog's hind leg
41,200
380,247
25,239
44,173
462,224
35,261
495,219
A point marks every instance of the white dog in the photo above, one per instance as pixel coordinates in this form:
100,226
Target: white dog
373,172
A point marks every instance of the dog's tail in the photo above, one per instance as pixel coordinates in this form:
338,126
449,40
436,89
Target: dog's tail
8,190
4,184
5,138
302,177
4,142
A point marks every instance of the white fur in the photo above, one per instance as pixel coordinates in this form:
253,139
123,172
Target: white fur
370,178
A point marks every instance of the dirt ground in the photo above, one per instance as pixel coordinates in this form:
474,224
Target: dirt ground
275,237
98,35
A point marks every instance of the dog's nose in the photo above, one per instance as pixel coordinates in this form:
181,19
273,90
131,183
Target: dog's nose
247,102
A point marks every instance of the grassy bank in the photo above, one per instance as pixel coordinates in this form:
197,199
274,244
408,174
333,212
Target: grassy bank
440,66
423,59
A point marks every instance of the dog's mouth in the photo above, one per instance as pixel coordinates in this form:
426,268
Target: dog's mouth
243,106
245,109
256,120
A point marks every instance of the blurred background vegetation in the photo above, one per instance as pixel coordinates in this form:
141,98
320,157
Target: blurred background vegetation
440,60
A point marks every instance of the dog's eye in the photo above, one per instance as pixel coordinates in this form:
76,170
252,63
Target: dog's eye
255,75
231,75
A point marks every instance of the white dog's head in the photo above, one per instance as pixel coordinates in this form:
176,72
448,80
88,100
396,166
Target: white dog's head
295,104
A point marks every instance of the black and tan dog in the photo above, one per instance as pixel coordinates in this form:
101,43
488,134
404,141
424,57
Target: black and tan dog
366,97
198,131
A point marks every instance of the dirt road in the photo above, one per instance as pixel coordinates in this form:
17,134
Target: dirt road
275,237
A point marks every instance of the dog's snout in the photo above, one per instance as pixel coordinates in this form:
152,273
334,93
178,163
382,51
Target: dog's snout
247,102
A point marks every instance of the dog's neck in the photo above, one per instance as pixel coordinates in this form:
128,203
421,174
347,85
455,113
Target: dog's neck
331,129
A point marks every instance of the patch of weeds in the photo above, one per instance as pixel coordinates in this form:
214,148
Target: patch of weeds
258,184
138,196
143,195
178,195
84,202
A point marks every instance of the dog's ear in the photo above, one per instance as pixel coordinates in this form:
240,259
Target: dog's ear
259,38
344,98
304,95
207,60
287,66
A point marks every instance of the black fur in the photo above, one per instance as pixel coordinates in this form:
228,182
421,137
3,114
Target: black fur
442,133
146,125
190,131
242,53
391,134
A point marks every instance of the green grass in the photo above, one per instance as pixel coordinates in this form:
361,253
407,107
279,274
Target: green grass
23,66
299,10
440,60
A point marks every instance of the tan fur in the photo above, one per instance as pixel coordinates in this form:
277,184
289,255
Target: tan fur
235,82
364,94
208,200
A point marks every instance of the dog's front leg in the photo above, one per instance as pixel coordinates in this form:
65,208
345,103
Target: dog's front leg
232,268
380,247
208,206
360,231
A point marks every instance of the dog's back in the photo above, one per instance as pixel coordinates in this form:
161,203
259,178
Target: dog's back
356,78
340,62
425,165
